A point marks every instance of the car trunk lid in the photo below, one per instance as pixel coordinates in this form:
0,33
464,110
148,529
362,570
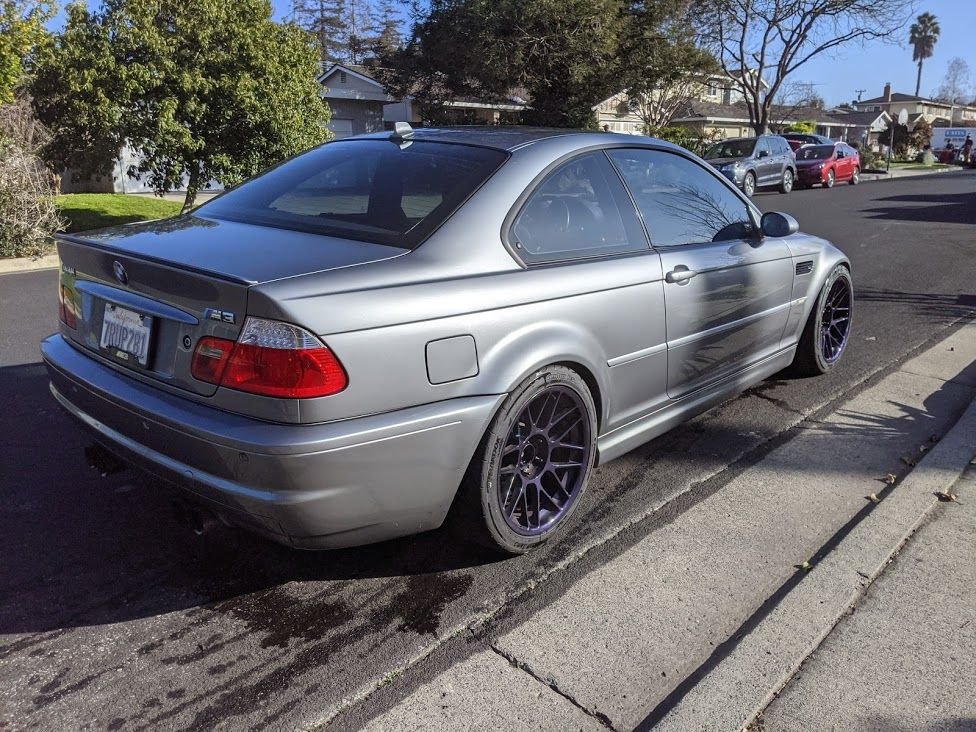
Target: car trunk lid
142,296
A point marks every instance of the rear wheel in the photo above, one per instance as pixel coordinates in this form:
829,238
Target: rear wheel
749,184
828,328
532,466
786,185
829,183
856,176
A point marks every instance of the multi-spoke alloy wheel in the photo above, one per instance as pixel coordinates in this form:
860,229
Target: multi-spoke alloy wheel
828,328
835,320
532,467
544,460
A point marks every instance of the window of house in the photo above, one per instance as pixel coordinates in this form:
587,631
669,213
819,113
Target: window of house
680,201
342,77
579,211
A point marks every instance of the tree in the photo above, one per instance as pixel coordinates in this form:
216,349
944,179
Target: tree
21,30
388,39
204,90
325,19
957,86
665,67
761,43
564,55
923,35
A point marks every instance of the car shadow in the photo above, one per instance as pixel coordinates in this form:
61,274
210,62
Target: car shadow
956,208
79,548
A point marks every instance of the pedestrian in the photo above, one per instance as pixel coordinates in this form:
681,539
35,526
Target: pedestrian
967,149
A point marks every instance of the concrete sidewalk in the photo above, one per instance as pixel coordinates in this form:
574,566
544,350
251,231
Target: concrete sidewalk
703,622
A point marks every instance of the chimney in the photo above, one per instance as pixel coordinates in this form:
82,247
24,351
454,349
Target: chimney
887,92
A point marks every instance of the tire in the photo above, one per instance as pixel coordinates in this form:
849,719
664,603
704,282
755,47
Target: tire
820,349
499,513
855,177
831,177
786,185
749,184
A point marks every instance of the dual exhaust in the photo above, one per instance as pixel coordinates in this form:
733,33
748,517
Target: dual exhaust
198,519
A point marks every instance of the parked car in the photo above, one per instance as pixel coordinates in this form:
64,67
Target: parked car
754,162
827,164
807,139
391,330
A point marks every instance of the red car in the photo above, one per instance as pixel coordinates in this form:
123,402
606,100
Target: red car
826,165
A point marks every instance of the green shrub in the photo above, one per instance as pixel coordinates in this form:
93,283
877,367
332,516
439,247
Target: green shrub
694,140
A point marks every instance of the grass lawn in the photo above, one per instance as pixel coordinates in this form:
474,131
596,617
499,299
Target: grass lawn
84,211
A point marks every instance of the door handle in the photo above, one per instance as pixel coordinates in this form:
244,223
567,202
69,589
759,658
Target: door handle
680,275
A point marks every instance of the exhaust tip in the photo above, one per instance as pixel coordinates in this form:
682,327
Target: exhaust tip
102,461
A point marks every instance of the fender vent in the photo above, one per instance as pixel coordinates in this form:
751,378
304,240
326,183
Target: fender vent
803,268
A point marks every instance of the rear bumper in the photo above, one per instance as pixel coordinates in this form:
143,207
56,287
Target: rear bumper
311,486
808,176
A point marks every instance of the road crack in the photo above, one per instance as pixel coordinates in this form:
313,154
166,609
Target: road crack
603,719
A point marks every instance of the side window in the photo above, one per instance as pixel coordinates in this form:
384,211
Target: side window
761,147
680,201
580,210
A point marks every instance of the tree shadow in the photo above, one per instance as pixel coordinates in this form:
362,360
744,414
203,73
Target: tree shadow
936,306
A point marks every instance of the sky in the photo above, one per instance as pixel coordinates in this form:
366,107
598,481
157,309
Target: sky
837,75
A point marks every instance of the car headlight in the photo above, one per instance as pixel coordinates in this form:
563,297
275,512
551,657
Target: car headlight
730,167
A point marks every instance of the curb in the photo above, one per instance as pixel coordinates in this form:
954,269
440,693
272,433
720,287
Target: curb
872,177
766,659
28,264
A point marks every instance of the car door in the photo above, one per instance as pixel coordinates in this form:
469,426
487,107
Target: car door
845,163
727,290
766,165
578,234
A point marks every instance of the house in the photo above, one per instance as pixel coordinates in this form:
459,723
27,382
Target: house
360,104
711,119
622,113
936,113
356,99
865,128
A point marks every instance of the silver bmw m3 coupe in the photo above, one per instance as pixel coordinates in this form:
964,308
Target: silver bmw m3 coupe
399,329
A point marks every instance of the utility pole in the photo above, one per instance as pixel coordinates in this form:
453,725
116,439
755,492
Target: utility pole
859,93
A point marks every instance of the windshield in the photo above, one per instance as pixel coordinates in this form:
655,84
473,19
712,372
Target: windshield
815,152
730,149
370,190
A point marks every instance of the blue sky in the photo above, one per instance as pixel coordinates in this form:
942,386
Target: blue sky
838,75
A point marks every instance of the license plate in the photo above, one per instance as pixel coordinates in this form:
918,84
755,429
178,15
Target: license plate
125,334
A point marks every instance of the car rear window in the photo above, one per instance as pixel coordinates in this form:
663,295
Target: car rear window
368,190
815,152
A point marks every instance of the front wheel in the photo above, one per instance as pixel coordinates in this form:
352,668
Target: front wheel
856,177
829,183
786,185
749,184
533,465
828,328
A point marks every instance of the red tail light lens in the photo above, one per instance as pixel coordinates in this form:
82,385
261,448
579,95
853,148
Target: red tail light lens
67,310
210,358
272,359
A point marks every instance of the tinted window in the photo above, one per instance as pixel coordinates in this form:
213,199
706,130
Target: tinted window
762,146
731,149
370,190
681,202
815,152
579,210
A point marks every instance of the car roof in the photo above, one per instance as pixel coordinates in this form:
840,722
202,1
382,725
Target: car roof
504,137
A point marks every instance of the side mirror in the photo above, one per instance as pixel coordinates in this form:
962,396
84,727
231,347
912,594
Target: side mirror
778,224
763,154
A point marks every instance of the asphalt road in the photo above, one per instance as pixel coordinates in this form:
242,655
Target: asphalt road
115,616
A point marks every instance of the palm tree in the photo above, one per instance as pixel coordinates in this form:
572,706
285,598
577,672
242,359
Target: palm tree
924,33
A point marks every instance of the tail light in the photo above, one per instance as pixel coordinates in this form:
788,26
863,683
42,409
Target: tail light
67,309
272,359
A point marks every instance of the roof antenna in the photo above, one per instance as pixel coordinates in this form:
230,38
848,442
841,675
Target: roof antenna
402,132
